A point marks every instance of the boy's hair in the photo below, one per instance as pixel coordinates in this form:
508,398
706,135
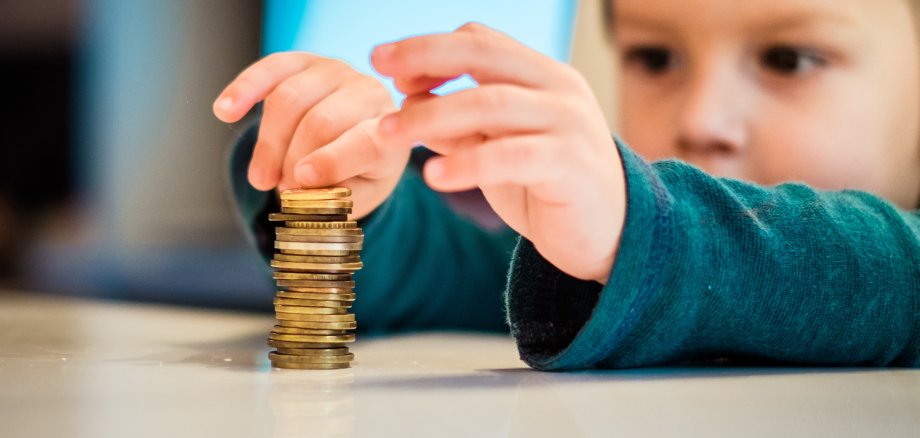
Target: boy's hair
607,14
914,11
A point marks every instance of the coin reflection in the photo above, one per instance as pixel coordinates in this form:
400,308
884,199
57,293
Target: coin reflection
312,403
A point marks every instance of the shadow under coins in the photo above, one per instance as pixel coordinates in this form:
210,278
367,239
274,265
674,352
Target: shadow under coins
516,377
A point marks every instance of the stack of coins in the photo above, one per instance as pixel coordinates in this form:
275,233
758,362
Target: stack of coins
317,252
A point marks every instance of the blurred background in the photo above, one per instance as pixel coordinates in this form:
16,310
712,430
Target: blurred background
113,179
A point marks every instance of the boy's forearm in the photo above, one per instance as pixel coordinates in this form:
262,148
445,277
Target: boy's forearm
710,268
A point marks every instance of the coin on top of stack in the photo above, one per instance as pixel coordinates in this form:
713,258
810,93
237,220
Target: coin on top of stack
317,252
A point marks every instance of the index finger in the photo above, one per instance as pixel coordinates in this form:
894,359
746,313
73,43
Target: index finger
256,82
485,54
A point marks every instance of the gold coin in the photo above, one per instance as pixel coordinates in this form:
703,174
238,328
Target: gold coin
312,267
316,194
305,331
321,224
306,246
337,351
320,290
320,231
309,310
282,275
313,317
313,211
316,259
281,358
309,218
350,284
319,325
326,339
314,296
313,303
325,203
319,239
310,366
310,252
338,358
309,351
288,344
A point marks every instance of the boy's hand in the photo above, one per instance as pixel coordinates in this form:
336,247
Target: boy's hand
532,136
315,110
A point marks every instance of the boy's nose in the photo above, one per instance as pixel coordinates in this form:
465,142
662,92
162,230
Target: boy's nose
711,120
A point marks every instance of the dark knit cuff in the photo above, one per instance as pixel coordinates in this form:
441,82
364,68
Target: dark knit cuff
546,307
560,322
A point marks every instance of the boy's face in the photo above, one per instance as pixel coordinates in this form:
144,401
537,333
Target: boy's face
825,92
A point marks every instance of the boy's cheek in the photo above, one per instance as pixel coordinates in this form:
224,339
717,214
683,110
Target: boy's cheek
647,131
821,147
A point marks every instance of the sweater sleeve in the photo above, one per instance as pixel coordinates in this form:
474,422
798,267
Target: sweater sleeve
712,268
425,266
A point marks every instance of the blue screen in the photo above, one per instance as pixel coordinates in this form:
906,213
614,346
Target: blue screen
349,29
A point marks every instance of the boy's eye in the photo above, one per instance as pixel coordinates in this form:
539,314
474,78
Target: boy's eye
655,60
789,61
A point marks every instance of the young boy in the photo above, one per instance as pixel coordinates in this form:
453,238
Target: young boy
622,263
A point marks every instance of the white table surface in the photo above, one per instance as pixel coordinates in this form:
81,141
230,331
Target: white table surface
80,368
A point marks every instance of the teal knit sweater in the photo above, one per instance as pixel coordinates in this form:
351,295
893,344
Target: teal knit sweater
708,269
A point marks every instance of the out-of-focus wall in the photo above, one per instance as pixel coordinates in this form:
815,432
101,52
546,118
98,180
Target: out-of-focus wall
36,69
36,26
154,217
156,220
153,154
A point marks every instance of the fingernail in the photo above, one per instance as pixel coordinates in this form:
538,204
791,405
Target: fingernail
225,102
384,51
306,173
388,124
